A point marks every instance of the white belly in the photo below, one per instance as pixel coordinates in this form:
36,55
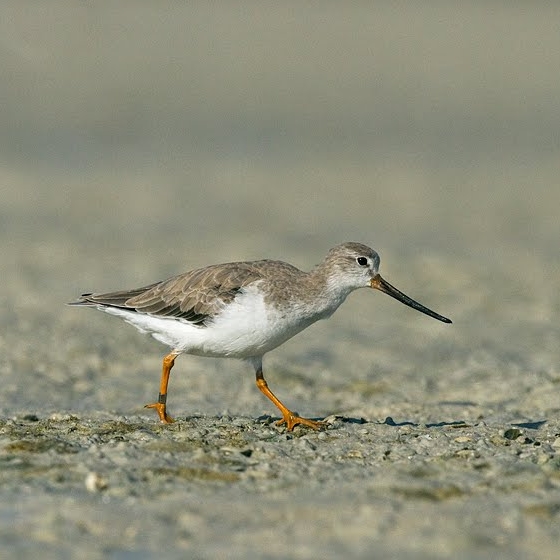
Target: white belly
245,328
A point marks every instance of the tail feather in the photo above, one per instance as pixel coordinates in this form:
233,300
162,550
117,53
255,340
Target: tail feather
111,299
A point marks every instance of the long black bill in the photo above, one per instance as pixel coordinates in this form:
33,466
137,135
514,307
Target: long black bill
382,285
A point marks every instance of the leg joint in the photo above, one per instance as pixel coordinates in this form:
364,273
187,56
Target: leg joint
169,360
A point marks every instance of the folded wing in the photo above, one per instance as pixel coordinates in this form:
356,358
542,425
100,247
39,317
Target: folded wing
196,296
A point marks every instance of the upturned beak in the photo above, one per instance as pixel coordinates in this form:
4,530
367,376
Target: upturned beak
378,283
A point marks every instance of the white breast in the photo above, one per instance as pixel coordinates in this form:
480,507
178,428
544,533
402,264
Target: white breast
247,327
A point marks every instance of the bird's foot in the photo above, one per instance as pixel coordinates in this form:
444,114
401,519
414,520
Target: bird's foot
291,420
162,412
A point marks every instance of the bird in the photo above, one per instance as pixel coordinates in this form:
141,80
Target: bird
245,309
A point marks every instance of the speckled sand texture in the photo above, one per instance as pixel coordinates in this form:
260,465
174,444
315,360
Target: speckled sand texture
144,140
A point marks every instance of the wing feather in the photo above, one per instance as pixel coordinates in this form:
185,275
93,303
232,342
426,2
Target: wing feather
196,296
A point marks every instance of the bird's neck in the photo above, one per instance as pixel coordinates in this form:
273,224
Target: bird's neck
329,293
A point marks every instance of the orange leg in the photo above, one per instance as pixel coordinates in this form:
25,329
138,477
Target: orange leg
288,417
160,406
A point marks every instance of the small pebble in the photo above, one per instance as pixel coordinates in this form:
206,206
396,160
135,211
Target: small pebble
95,482
512,433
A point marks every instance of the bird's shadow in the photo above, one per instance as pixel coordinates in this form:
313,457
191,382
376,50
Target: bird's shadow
389,421
360,420
453,423
529,425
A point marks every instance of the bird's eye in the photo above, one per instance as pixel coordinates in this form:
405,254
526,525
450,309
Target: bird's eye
362,261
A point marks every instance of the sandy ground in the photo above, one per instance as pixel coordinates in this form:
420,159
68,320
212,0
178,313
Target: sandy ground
140,141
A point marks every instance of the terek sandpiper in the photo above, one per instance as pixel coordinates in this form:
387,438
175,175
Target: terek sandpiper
245,309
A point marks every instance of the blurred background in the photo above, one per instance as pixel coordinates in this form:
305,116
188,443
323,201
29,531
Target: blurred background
141,139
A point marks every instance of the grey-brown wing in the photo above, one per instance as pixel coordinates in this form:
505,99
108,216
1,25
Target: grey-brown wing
196,296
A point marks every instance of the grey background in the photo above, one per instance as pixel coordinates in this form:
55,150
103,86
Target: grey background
140,139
